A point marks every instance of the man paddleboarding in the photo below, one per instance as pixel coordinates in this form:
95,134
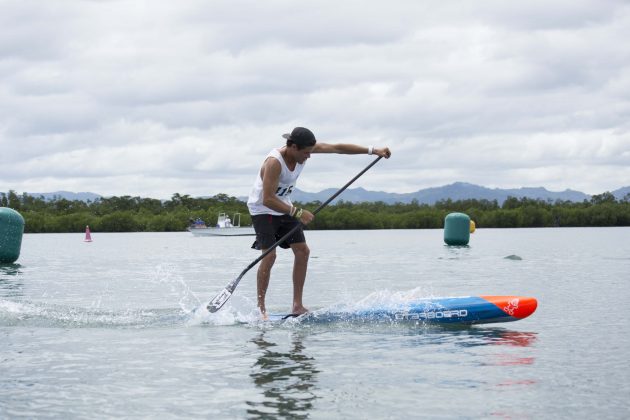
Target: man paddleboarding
273,213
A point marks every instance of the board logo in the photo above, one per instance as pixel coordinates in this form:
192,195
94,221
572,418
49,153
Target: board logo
512,306
416,316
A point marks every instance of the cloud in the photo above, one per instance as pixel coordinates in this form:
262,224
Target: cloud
148,98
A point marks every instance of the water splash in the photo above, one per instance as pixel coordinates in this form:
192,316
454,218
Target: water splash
239,310
167,275
381,299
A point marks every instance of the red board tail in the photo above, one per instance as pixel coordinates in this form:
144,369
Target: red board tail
516,306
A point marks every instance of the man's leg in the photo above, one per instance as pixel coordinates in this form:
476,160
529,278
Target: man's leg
262,280
300,264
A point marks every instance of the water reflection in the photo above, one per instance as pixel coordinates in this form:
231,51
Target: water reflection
507,357
514,343
287,380
468,336
501,337
10,280
10,269
455,252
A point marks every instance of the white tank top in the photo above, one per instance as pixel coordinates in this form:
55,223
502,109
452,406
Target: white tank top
286,183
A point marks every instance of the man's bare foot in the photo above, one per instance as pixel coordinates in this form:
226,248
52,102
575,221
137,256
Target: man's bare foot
263,315
299,310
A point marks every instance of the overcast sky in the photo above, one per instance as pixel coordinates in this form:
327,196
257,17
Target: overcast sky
152,98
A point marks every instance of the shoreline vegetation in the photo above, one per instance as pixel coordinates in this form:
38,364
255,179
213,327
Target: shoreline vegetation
136,214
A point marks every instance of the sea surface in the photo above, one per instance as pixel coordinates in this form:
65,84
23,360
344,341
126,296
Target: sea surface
108,329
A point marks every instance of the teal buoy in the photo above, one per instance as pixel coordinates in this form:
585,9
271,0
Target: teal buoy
11,230
457,229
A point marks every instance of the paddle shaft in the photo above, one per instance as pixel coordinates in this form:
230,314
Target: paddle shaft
216,303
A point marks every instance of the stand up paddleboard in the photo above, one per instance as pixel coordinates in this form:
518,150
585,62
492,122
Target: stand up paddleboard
449,310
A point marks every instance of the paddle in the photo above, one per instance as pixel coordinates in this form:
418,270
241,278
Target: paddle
216,303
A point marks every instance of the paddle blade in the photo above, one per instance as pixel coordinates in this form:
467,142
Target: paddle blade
216,303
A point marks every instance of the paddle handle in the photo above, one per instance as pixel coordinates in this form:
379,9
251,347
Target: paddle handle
342,189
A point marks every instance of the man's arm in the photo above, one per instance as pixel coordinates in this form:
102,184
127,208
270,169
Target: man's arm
350,149
270,174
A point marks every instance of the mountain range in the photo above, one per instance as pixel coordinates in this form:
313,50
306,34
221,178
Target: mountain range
68,195
455,191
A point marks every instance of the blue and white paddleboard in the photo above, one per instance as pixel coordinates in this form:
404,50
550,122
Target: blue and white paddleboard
451,310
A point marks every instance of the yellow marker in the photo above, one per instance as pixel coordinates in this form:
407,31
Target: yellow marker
472,226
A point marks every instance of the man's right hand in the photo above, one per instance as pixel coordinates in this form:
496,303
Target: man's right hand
307,217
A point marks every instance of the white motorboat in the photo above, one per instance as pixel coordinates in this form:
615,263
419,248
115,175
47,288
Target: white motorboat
224,227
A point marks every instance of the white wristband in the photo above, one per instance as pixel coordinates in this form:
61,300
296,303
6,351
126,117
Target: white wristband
370,150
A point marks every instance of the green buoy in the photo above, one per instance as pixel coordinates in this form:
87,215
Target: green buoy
457,229
11,230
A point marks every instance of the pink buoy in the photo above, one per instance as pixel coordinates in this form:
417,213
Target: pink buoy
88,235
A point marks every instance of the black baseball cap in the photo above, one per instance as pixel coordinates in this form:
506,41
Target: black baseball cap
302,137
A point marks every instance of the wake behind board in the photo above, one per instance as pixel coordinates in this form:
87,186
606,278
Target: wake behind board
450,310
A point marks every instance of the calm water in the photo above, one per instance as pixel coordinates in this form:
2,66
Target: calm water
104,329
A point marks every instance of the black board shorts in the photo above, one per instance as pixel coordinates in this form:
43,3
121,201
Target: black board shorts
270,228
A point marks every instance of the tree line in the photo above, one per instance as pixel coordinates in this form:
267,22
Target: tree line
136,214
